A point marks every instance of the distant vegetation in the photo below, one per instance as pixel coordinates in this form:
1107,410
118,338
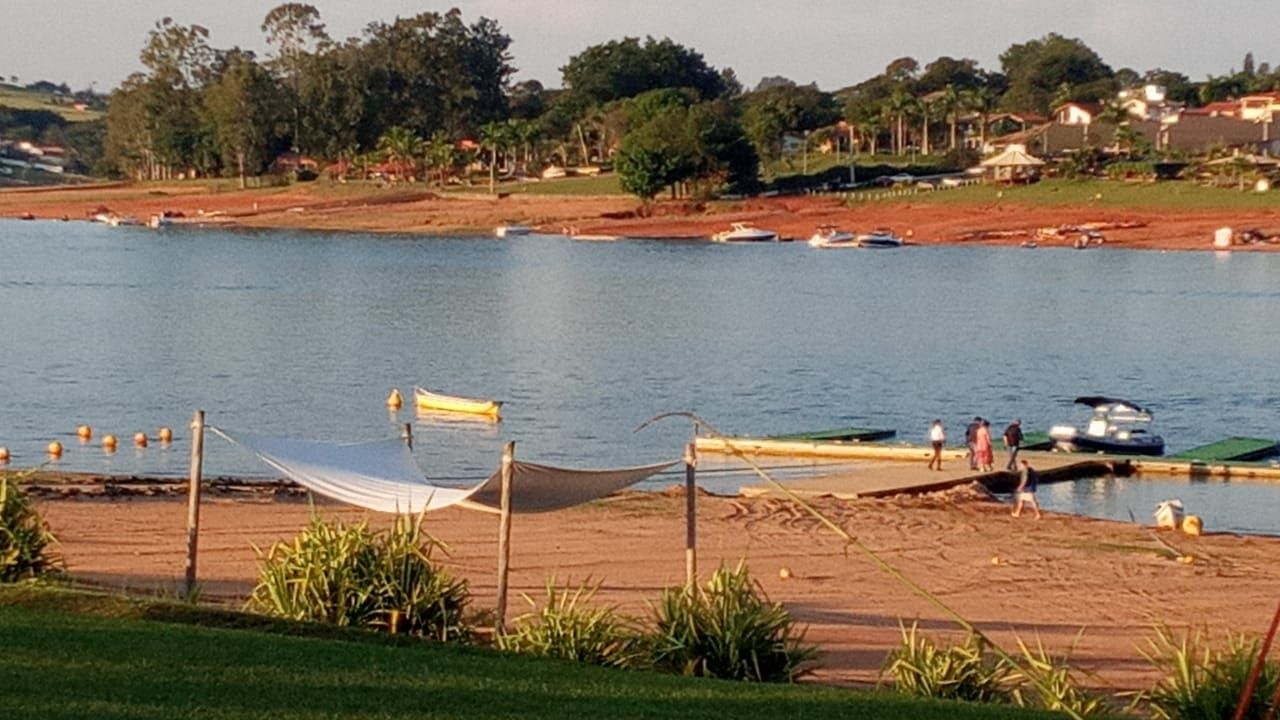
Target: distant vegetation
432,98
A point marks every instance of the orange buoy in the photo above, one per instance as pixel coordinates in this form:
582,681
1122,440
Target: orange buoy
54,449
4,455
395,400
84,432
140,439
165,434
109,443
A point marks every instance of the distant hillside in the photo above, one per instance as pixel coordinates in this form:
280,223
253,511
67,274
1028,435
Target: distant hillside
20,98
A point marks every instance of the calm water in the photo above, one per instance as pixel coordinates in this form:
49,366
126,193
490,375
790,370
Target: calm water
305,333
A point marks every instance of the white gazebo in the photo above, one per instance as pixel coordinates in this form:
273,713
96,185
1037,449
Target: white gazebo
1015,164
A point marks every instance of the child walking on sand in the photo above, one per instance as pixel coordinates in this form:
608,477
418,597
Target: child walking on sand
1026,492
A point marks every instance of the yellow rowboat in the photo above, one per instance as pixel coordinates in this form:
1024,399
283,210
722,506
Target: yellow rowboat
427,400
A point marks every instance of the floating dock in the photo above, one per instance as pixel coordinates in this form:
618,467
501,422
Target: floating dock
1233,449
839,435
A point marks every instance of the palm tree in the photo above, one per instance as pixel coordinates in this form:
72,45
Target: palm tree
401,147
494,137
982,100
870,128
926,110
898,106
951,103
441,153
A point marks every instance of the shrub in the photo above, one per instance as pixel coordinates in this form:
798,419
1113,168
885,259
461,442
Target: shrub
351,575
1200,682
727,629
1043,681
569,628
24,537
959,672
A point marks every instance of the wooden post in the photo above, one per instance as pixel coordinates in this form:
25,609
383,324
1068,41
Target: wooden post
690,517
193,499
407,435
504,537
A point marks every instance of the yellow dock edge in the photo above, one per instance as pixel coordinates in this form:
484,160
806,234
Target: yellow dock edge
876,451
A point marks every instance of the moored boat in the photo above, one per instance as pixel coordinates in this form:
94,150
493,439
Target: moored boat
1117,427
427,400
879,239
741,232
828,236
511,230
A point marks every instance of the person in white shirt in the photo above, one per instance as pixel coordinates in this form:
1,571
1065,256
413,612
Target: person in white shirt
937,437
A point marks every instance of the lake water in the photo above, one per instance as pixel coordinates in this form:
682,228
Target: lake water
304,334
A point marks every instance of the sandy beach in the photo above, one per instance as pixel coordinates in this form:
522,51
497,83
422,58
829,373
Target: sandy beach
1010,576
418,210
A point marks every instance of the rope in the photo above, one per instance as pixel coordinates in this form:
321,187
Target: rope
871,554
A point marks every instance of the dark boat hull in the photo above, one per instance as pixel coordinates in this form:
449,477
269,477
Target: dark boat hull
1142,445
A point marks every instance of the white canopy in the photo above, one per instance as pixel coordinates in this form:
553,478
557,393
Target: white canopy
1013,156
383,476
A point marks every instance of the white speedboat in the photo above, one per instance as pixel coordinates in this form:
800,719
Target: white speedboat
828,236
1118,427
512,230
744,233
879,239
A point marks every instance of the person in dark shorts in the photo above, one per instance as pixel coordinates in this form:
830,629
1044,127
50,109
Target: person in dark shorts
1013,440
1026,492
937,437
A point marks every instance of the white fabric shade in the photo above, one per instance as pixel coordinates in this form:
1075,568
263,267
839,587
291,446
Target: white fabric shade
383,476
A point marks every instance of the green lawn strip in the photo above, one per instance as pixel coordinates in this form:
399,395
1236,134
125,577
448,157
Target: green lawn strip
75,654
1111,194
23,99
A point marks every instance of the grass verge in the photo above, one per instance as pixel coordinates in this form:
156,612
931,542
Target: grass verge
72,654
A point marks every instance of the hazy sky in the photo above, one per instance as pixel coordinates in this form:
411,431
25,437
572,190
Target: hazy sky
832,42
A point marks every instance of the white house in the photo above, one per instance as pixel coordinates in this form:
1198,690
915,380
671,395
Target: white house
1077,113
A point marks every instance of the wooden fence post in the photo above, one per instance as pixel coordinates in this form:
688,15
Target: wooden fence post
193,499
406,434
504,537
690,517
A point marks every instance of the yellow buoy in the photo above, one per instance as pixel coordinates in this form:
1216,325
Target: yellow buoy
54,449
84,432
395,400
165,434
140,439
784,573
4,454
109,442
1192,525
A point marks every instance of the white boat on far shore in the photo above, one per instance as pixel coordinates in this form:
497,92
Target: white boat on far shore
741,232
828,236
512,230
879,239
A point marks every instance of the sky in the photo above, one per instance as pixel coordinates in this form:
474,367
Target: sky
834,43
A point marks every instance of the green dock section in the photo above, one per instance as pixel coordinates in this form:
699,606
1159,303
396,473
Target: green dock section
839,435
1035,441
1237,449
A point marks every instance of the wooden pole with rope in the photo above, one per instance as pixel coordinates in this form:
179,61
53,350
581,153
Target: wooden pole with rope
193,500
504,538
690,516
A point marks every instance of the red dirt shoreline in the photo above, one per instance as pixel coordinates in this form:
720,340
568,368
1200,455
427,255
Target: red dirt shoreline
419,211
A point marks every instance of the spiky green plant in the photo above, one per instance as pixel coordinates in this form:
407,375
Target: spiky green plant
1202,682
1047,682
351,575
569,626
728,629
966,671
25,538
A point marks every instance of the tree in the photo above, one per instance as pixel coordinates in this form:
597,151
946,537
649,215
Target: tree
243,104
495,137
441,154
1037,68
768,114
625,68
981,100
961,74
293,28
401,147
950,104
644,167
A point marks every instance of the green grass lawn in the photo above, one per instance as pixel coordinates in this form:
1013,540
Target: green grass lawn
1179,194
69,654
23,99
607,184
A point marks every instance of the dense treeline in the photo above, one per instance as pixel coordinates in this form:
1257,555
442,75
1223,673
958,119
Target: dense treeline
411,93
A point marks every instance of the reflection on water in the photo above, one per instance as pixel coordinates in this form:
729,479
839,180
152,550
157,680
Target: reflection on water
1225,506
305,334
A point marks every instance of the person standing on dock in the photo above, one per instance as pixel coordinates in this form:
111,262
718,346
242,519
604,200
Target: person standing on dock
1012,440
983,453
971,440
937,438
1026,492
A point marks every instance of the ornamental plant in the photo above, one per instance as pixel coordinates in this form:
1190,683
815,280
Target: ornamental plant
25,538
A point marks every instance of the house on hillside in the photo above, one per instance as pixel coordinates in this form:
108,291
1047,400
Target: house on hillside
1222,108
1259,107
1148,102
1077,113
